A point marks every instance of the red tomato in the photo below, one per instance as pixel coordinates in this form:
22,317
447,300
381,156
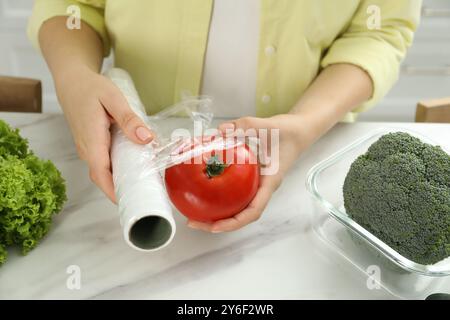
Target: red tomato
214,186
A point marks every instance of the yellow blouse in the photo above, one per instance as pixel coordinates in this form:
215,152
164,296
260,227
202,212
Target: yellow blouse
162,43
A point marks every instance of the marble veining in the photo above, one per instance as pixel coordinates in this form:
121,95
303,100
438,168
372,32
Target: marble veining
278,257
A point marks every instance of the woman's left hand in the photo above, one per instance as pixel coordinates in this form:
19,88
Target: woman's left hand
290,145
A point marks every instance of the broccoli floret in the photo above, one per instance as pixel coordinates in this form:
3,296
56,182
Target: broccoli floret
399,190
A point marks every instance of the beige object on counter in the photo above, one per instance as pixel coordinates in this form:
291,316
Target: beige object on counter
436,110
20,94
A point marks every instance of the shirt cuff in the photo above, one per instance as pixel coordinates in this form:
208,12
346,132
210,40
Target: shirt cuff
375,57
46,9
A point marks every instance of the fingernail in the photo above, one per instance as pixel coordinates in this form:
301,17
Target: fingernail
227,126
191,225
216,231
143,133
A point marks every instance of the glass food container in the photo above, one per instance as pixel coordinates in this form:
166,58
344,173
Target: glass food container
383,266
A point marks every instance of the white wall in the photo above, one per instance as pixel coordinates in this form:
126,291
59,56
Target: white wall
17,57
425,73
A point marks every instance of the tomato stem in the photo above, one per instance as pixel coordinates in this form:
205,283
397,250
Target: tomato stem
214,167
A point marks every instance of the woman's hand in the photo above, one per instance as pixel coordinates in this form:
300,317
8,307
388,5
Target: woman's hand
91,103
291,143
337,90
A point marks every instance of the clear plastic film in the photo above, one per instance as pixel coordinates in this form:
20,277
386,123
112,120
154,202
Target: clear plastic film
192,137
144,208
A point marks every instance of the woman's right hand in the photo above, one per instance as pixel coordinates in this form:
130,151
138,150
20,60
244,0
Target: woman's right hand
91,103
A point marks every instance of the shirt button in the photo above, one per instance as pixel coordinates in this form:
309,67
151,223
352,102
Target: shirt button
270,51
266,99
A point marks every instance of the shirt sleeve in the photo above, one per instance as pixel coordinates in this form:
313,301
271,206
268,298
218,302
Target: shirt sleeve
377,51
91,12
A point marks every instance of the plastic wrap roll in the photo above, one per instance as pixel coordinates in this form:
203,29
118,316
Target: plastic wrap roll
144,208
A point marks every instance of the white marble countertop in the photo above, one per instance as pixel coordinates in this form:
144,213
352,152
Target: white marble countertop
278,257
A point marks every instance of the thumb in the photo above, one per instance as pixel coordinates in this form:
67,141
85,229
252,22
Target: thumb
249,125
131,124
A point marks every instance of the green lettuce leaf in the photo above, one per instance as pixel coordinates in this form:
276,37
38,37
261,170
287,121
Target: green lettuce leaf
31,192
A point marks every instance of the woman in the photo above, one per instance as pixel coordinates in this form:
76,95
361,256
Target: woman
298,66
